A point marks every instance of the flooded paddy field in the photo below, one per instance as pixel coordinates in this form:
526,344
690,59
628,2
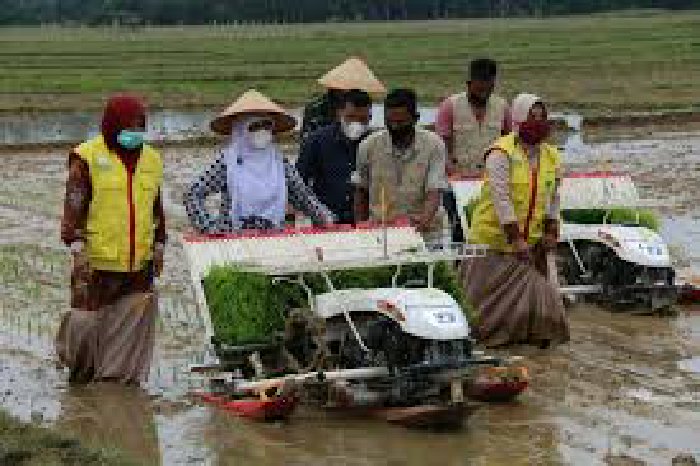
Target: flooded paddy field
624,391
654,55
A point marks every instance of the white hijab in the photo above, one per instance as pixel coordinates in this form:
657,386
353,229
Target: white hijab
256,179
520,108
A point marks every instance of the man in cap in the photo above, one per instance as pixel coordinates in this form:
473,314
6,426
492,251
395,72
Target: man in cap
327,157
401,170
469,122
353,73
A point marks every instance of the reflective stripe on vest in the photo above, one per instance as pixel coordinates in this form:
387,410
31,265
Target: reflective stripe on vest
120,224
529,189
472,137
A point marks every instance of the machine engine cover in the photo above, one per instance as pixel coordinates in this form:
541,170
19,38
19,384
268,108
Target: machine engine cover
636,245
427,313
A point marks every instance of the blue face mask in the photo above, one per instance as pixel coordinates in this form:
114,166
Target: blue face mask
130,140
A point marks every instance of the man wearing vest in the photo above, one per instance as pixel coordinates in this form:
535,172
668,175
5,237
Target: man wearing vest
516,215
469,122
401,170
114,225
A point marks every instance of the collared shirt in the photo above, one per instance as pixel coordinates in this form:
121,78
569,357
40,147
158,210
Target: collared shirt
398,181
326,162
214,181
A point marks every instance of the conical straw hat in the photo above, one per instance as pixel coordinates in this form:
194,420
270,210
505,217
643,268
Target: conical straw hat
253,103
352,74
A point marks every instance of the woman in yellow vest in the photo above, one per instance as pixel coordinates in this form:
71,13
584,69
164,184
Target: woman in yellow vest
114,225
516,215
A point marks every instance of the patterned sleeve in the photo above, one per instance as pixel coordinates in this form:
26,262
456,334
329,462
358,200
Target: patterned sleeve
303,199
77,201
213,181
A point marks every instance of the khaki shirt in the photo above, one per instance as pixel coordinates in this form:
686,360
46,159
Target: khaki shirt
398,181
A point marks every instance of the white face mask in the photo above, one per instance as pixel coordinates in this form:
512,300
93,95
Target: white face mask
261,139
354,130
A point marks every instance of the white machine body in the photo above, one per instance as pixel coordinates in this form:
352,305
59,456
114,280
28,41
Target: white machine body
427,313
637,245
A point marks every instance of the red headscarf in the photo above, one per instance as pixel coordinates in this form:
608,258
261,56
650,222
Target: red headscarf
121,111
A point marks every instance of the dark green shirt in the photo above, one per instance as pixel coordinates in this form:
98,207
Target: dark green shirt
317,114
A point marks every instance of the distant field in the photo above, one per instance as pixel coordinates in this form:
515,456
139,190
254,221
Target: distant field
597,64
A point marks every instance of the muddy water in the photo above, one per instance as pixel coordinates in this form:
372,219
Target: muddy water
626,388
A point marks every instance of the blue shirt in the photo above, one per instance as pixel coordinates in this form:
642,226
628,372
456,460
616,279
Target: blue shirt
326,162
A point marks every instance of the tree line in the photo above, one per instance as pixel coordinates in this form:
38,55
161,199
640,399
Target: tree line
166,12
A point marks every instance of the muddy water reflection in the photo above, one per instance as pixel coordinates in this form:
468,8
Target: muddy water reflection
511,435
121,417
623,386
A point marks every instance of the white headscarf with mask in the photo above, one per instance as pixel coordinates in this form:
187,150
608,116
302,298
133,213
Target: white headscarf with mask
521,106
256,179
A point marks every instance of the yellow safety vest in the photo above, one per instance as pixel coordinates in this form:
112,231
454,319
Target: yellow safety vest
529,193
111,244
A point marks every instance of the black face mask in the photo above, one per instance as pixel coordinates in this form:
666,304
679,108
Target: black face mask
401,133
478,100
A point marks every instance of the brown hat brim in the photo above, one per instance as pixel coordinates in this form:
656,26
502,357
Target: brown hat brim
281,122
353,74
253,103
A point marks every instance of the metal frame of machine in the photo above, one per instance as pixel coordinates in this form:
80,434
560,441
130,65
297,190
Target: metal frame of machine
288,255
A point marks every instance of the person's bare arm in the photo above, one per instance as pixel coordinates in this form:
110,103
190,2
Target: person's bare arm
431,204
436,184
451,163
361,204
